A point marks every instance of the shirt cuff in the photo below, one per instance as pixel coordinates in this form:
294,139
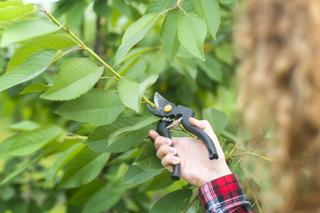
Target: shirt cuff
223,194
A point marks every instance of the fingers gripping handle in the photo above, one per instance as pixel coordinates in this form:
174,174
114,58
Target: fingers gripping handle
202,136
164,131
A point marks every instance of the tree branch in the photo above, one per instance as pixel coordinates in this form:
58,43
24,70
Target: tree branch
89,50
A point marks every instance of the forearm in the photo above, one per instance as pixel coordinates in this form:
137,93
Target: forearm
224,195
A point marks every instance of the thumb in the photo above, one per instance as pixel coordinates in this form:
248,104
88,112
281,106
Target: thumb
201,124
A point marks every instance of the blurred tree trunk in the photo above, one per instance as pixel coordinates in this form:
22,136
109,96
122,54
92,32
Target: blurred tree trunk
280,84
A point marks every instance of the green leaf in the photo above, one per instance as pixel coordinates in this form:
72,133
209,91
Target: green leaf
76,77
104,199
97,107
186,66
192,32
127,137
24,126
29,69
14,10
144,122
147,158
20,168
158,6
98,139
228,1
135,32
210,11
121,135
29,142
127,141
131,91
5,146
83,168
174,202
212,67
217,118
137,175
225,52
22,31
55,41
134,54
62,159
83,194
34,88
169,38
161,181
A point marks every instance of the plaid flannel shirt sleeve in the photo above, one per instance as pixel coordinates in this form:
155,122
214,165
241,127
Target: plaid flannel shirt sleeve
224,194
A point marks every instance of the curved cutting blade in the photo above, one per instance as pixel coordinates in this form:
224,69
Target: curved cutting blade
160,101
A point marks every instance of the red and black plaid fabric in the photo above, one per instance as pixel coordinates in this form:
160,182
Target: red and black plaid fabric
224,195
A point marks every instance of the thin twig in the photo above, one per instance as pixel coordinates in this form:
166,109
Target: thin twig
108,77
90,51
80,42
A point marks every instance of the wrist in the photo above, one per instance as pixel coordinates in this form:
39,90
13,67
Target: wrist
212,174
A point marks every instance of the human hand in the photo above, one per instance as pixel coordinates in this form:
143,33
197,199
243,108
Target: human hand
196,167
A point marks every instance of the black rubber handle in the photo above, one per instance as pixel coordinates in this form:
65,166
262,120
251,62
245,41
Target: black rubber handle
164,131
202,136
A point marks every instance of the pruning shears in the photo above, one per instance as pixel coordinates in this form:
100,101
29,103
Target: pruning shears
171,115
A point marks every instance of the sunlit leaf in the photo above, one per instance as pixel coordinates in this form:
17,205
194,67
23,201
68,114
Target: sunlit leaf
34,88
97,107
29,142
83,168
14,10
22,31
192,31
55,41
76,77
135,32
210,10
24,126
130,91
169,38
29,69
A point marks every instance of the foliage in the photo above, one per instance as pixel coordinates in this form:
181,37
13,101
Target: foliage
74,127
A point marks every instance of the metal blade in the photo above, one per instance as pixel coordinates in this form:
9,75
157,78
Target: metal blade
160,101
